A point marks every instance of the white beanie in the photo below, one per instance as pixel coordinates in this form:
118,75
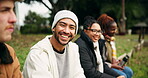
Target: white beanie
65,14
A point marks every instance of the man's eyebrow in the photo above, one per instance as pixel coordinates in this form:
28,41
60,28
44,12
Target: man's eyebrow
62,22
72,25
66,23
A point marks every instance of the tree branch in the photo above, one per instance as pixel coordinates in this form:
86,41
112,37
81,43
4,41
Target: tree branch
46,5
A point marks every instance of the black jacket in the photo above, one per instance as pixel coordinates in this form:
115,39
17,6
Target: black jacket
89,61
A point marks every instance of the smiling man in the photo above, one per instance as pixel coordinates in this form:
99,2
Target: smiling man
55,56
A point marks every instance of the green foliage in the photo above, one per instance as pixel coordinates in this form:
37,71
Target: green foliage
135,10
34,23
29,28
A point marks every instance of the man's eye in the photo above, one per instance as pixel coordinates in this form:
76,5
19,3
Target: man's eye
4,10
62,25
72,28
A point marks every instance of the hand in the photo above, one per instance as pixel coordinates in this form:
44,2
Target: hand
116,66
114,61
120,77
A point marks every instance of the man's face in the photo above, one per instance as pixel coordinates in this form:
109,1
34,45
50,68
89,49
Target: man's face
111,30
7,19
64,31
94,32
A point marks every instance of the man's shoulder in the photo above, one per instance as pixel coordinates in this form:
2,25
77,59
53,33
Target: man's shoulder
43,46
42,43
72,44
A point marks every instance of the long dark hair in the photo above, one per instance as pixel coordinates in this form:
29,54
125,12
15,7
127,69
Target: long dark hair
5,57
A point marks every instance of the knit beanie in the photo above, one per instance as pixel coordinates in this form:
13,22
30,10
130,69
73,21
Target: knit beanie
65,14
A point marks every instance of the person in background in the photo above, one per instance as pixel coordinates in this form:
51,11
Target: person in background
9,64
109,28
56,56
91,60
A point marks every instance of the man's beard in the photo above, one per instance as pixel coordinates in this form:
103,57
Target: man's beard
57,38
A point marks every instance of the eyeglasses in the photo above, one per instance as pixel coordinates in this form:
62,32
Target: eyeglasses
95,30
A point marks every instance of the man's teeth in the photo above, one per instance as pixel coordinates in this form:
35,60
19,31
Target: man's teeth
64,36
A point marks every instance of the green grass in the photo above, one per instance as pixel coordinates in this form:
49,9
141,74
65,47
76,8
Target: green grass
22,44
139,63
124,44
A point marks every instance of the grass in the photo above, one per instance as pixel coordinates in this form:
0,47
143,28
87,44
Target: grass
139,63
124,44
22,44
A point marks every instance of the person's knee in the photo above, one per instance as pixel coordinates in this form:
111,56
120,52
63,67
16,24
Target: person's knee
128,71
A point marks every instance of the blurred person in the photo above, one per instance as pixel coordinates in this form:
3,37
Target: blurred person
91,60
56,56
109,28
9,64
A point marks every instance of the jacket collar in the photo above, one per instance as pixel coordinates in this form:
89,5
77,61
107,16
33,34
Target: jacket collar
44,44
87,39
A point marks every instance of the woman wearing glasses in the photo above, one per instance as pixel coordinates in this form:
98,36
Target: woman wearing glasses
90,57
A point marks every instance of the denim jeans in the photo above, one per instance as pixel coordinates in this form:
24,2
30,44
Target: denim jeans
127,72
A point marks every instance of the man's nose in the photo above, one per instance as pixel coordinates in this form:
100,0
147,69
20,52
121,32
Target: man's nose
67,30
12,17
